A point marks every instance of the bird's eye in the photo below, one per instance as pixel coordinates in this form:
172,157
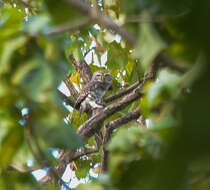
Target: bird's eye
108,77
98,76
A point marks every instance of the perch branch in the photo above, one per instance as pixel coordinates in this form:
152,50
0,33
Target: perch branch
150,75
108,128
87,129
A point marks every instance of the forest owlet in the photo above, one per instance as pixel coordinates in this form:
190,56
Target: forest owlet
93,92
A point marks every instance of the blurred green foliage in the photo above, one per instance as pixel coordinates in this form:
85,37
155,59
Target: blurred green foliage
171,153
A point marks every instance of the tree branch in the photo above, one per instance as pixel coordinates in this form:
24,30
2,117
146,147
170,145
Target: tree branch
71,88
99,17
85,152
143,19
68,27
66,99
122,92
65,158
158,63
108,128
166,61
87,129
22,168
69,156
83,69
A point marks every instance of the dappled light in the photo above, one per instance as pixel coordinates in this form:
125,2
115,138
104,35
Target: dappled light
104,94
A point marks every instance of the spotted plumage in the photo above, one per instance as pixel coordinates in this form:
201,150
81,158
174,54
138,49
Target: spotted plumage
93,92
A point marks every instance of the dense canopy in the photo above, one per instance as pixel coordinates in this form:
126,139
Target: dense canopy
155,128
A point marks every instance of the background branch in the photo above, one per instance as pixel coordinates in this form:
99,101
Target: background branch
66,99
22,168
166,61
143,19
100,18
68,27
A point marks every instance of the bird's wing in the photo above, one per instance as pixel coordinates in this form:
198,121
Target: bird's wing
83,94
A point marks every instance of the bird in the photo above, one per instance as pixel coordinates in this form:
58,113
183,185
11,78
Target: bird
93,92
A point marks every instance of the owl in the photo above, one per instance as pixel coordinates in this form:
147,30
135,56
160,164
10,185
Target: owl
91,95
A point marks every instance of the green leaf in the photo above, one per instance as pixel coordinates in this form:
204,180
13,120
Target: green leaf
36,79
36,24
52,187
22,71
61,11
17,181
165,87
9,48
10,145
10,22
133,140
149,44
124,141
22,156
117,56
134,76
73,46
83,168
91,186
8,120
132,6
1,4
64,137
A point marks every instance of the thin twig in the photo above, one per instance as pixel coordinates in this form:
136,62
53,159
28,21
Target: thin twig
71,88
66,99
200,178
143,19
68,27
22,168
166,61
40,155
85,152
88,51
126,90
83,68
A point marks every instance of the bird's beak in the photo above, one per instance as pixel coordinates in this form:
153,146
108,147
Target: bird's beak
102,77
